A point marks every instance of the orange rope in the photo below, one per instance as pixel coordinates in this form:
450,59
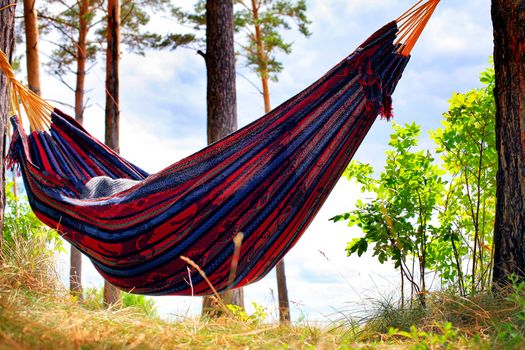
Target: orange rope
411,24
408,12
37,110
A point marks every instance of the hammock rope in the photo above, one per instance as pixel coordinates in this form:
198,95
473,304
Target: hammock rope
37,110
234,208
412,23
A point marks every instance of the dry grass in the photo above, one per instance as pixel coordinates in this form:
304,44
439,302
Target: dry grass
36,313
30,320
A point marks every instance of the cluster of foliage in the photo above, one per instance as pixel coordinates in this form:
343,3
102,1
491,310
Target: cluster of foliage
429,217
94,300
27,257
21,224
257,318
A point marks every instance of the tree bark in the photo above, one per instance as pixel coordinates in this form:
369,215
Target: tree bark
7,44
282,293
75,272
220,66
111,293
33,57
112,76
221,100
508,19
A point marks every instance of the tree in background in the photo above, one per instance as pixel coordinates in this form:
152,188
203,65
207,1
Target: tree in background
426,218
80,27
73,51
112,293
509,58
220,68
81,30
7,45
32,54
261,22
221,99
258,24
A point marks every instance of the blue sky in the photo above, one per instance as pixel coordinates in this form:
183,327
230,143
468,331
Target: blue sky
163,103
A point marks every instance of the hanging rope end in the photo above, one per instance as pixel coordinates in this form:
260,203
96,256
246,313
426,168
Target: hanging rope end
412,23
37,110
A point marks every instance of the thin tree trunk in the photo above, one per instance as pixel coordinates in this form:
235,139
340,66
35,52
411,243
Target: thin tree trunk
263,59
111,293
402,287
81,59
75,272
7,45
33,57
282,293
509,57
221,100
282,289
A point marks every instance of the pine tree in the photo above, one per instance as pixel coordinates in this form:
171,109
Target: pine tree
262,21
221,98
112,293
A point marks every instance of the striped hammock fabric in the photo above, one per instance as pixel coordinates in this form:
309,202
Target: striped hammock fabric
267,180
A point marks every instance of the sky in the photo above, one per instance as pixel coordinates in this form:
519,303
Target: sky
163,119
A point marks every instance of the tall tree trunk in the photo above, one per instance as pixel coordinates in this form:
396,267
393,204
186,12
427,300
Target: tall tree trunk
75,271
111,293
221,99
508,18
81,59
7,45
282,289
220,67
33,57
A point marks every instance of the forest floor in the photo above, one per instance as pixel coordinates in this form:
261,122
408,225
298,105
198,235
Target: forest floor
36,312
44,319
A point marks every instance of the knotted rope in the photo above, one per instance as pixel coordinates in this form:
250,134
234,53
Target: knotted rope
36,109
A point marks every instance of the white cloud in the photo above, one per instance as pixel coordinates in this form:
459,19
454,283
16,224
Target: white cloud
459,32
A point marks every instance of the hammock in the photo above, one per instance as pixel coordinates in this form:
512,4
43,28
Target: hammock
267,180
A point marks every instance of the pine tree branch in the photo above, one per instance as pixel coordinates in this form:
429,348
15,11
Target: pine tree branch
202,53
